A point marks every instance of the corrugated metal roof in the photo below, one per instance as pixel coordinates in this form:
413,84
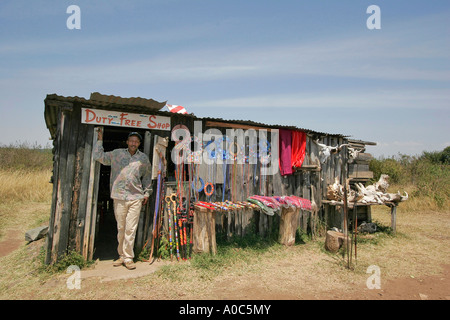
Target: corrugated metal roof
278,126
140,105
110,99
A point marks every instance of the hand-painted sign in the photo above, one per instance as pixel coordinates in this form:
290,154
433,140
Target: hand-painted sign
123,119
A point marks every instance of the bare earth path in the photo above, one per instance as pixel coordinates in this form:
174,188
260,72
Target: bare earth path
414,265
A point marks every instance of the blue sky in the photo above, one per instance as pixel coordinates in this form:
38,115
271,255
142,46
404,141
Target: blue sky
312,64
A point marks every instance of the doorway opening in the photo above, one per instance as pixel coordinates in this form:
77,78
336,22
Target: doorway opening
105,245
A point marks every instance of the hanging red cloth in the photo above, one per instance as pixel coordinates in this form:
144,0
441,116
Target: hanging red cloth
285,151
298,148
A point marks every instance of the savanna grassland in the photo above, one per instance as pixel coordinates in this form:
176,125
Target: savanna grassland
414,262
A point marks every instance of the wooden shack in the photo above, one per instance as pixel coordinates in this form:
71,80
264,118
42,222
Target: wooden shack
81,218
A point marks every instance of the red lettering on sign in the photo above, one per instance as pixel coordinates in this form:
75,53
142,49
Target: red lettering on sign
90,116
122,117
152,123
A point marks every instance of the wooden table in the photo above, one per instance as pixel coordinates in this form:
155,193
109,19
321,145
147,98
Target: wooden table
351,205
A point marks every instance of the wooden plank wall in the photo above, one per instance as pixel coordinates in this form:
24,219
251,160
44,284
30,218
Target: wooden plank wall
301,183
71,219
71,175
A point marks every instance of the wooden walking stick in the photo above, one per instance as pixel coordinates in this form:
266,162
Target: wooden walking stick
356,240
155,218
167,198
157,206
351,241
173,198
346,224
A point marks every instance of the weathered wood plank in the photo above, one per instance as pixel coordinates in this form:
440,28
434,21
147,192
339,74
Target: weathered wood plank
140,233
68,187
361,175
91,211
288,226
94,220
394,218
65,138
77,188
204,232
358,167
363,157
56,186
85,178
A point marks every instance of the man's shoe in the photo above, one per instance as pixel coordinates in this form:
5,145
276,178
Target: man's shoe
118,262
130,265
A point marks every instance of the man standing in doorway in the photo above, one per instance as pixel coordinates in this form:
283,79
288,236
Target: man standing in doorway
130,188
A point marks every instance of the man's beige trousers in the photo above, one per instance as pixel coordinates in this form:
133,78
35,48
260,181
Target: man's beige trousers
127,217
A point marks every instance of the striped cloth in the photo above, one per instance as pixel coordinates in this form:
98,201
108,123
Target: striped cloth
176,109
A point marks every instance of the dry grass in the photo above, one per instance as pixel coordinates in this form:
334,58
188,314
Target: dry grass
417,201
23,185
21,190
305,271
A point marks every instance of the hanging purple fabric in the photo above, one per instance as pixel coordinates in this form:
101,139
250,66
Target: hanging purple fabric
285,151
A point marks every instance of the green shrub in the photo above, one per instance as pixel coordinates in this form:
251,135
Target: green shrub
428,173
71,258
389,166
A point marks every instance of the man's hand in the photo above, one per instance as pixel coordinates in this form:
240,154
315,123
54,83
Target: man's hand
99,134
145,201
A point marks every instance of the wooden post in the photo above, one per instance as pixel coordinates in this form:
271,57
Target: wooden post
143,217
204,231
56,190
335,240
85,179
288,226
247,216
394,218
91,204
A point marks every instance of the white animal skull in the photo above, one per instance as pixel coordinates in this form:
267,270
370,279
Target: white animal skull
375,193
353,152
325,151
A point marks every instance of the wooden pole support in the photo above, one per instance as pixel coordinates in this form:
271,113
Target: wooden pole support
288,226
204,231
394,218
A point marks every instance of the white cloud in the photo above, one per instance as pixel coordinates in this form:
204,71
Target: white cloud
408,52
406,98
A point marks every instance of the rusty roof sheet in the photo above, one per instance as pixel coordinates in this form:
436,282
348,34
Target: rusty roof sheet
110,99
277,126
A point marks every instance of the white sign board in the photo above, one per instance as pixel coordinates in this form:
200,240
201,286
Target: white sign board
124,119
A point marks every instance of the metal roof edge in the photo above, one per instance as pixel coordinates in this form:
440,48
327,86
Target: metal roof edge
118,102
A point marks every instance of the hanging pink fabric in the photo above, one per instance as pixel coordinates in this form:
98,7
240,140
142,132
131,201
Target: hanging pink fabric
298,148
285,151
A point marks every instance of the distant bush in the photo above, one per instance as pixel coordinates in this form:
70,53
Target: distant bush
389,166
436,157
428,174
26,156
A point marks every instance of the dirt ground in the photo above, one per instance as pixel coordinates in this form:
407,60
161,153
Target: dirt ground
297,273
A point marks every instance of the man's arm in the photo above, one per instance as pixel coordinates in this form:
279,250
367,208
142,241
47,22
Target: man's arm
99,154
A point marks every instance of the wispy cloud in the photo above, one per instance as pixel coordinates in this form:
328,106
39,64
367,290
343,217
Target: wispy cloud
374,99
346,58
407,52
